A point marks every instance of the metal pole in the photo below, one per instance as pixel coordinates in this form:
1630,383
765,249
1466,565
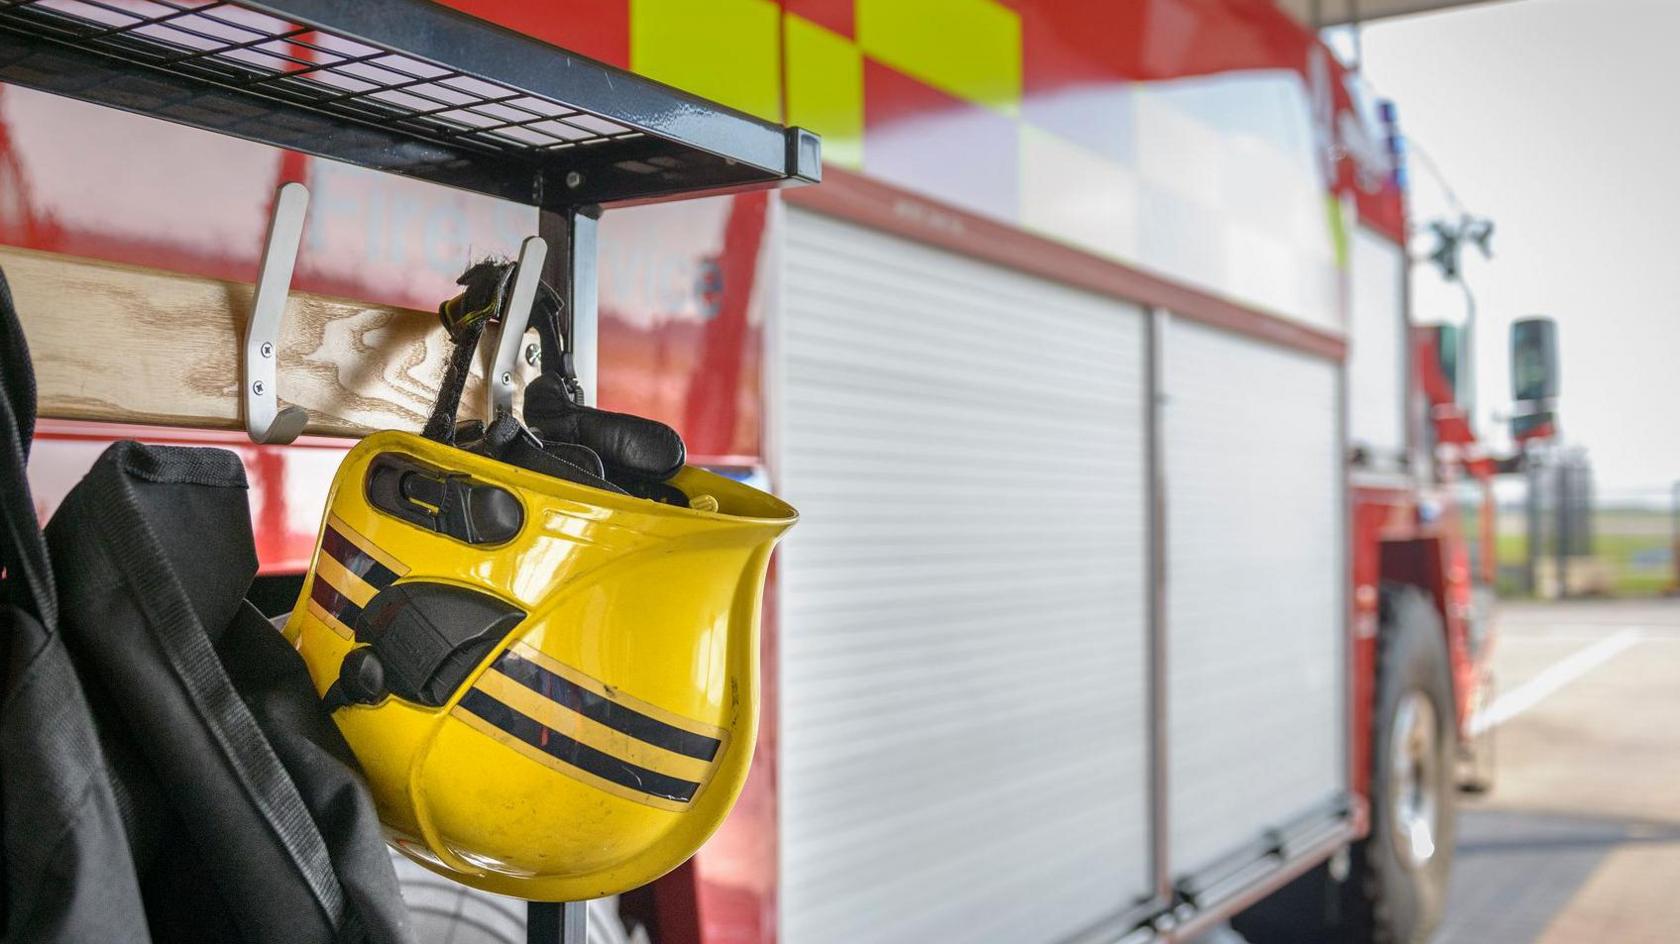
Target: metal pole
1561,491
556,922
1533,469
585,299
1156,326
1585,531
1674,533
1465,388
570,269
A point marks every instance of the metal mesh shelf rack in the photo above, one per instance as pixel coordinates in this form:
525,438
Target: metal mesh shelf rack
405,86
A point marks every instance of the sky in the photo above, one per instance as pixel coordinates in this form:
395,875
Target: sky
1560,120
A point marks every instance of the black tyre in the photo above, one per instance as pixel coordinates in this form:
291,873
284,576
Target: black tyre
1395,884
1398,887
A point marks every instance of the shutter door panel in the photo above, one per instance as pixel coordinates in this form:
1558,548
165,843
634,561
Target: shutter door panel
1255,654
1377,334
963,726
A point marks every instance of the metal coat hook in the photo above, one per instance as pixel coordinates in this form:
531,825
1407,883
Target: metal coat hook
532,253
264,420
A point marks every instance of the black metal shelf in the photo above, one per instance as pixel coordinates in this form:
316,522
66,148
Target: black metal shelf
404,86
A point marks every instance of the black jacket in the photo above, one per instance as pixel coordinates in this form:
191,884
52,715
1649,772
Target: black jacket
68,876
218,802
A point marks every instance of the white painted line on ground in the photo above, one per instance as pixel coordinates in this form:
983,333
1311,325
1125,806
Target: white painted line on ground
1555,676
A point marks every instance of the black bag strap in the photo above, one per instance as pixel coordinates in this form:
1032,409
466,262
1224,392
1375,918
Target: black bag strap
155,653
28,581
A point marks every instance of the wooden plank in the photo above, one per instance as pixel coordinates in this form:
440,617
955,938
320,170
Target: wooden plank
124,344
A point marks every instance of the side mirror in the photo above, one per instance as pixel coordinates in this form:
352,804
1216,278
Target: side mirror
1534,379
1534,360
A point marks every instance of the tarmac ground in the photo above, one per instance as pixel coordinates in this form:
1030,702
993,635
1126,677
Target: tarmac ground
1579,838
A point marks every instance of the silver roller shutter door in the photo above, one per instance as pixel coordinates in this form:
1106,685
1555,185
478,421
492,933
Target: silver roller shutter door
1255,578
963,736
1377,336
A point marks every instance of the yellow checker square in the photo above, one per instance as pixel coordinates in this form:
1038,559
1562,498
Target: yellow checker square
726,50
969,48
825,89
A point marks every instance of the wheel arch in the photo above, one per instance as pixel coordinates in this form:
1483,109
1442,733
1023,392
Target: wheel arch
1428,564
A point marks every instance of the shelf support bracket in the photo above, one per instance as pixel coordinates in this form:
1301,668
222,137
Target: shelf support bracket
571,236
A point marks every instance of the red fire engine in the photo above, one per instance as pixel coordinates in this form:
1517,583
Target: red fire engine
1129,596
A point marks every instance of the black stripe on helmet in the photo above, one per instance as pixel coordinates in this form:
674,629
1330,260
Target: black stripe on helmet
334,602
574,753
356,560
621,718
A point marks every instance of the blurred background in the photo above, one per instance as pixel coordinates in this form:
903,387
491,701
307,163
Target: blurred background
1238,497
1545,117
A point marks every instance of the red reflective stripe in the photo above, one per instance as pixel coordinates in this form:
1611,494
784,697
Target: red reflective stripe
599,29
839,16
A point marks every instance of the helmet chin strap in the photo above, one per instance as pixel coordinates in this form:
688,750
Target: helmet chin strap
557,354
485,298
465,317
617,452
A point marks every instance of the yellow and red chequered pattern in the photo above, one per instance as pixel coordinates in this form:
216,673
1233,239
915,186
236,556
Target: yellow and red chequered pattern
1183,137
1191,138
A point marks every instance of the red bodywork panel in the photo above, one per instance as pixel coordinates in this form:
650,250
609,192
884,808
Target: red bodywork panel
1377,515
1394,543
1403,536
288,484
1436,558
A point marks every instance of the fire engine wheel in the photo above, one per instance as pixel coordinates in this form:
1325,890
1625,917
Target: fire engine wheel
1399,885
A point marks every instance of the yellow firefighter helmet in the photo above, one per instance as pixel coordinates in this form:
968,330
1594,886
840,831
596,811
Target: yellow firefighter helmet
551,684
